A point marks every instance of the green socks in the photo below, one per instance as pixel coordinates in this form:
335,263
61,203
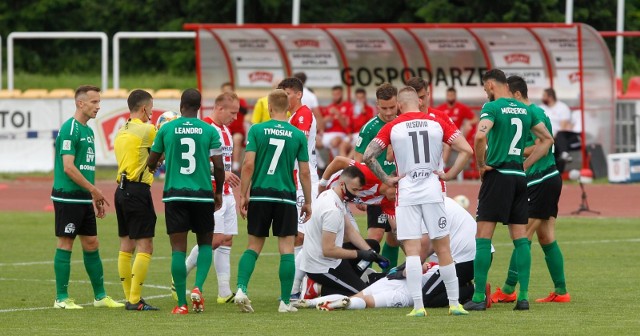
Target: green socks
62,269
391,253
481,267
203,264
93,266
179,274
246,265
512,274
286,272
523,264
555,264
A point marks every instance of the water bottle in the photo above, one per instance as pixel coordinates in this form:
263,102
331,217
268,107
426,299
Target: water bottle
363,264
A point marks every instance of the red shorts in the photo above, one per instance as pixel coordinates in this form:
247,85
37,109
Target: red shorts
388,207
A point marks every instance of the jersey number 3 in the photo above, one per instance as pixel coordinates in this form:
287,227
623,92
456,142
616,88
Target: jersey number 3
191,160
279,143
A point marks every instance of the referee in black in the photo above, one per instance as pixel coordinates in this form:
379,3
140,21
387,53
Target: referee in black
133,203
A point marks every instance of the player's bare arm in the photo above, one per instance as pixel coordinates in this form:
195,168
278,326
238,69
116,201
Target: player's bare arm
76,176
219,175
338,163
152,160
369,158
546,141
305,181
248,165
460,145
480,145
331,250
354,237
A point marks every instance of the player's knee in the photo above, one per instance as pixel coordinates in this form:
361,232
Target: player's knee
375,233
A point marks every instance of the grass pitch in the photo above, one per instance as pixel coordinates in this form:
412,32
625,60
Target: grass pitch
600,259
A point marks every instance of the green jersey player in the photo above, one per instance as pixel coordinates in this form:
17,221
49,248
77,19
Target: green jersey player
272,149
187,144
73,194
499,146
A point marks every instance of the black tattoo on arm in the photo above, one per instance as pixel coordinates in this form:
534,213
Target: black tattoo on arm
483,129
370,159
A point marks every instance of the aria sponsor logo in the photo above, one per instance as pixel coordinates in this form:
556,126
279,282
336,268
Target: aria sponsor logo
517,58
261,76
310,43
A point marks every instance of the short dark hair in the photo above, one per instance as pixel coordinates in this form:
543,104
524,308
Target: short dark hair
352,172
291,83
551,93
83,89
137,99
361,90
191,99
417,83
301,76
337,87
386,91
518,84
451,89
495,74
226,84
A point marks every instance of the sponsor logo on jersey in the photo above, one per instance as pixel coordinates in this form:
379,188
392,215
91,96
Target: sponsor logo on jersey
517,58
87,167
66,145
301,43
419,174
261,76
70,228
442,222
90,155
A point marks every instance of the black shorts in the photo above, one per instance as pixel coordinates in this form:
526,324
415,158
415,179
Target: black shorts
544,198
434,292
74,219
503,198
263,215
182,216
377,219
135,212
341,280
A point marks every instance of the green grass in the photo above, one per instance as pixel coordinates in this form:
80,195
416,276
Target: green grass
600,258
153,81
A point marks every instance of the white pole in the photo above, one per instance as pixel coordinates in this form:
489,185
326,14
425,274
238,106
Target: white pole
10,62
239,12
295,17
568,13
116,60
619,39
105,62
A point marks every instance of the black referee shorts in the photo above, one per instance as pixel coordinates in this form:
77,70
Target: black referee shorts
134,210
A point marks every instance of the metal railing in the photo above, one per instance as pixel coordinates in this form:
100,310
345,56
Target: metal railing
58,35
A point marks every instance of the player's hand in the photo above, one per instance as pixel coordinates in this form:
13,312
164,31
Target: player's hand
99,201
232,179
101,211
483,170
368,255
217,200
397,275
244,206
361,206
443,176
305,212
392,181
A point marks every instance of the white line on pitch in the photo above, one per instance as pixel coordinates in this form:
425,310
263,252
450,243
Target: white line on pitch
578,242
49,262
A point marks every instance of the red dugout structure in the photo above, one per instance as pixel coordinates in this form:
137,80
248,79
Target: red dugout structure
573,59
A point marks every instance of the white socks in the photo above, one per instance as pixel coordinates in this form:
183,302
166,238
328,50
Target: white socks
357,303
296,251
192,259
450,279
414,280
299,276
222,262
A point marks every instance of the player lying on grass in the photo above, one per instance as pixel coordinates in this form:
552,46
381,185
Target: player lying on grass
392,291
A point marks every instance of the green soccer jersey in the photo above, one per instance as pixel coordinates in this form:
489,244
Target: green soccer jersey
367,133
543,168
277,145
512,122
77,140
187,144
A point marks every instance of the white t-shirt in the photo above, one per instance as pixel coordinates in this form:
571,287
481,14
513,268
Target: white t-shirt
328,215
417,139
309,98
557,114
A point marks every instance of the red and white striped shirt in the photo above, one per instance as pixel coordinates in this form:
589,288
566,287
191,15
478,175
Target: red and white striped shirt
227,152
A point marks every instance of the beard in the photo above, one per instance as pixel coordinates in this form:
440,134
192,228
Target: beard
491,96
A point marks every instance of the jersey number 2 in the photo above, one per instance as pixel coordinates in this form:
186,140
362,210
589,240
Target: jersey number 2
513,150
416,146
279,143
191,149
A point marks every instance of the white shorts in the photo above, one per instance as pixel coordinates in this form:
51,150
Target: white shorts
300,202
328,137
389,293
415,220
226,218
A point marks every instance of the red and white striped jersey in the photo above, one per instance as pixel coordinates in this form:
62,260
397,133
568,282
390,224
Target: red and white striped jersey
304,120
370,192
417,140
227,152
